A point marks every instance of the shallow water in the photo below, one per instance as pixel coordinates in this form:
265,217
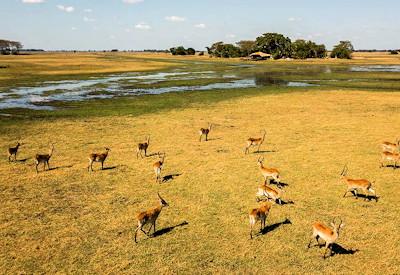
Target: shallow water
376,68
234,76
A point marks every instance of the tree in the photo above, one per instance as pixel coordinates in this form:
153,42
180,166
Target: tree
219,49
394,52
10,47
191,51
343,50
302,49
246,47
275,44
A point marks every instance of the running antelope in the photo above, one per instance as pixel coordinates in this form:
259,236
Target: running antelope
158,165
390,147
255,142
142,147
268,173
356,184
205,132
44,158
98,157
149,217
259,214
270,193
325,233
12,151
389,156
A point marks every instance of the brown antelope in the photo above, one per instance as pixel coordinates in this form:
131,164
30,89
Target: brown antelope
259,214
356,184
98,157
142,147
325,233
389,156
270,193
268,173
391,147
205,132
44,158
255,142
12,151
158,165
149,217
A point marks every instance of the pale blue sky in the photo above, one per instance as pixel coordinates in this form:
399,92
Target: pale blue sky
161,24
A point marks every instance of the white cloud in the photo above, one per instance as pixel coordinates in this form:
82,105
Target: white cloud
174,18
142,26
73,29
87,10
230,36
32,1
294,19
88,19
200,26
132,1
66,8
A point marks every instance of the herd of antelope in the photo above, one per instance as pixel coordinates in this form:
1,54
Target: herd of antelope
265,193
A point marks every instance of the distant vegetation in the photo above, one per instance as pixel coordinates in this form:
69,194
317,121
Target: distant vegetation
343,50
182,51
279,47
10,47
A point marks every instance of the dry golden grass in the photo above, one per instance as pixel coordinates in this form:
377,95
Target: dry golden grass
80,63
69,220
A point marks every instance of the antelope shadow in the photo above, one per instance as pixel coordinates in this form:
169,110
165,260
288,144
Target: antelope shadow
169,177
60,167
23,160
274,226
390,166
110,167
337,249
364,196
169,229
283,202
264,151
278,184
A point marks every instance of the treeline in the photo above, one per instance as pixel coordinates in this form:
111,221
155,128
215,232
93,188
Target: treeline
279,46
182,51
9,47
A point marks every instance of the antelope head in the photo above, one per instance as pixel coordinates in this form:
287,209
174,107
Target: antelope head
337,226
163,203
344,171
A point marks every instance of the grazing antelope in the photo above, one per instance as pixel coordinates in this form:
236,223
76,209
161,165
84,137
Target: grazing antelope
98,157
356,184
268,173
205,132
259,214
142,147
325,233
270,193
158,165
254,142
44,158
149,217
389,156
390,147
12,151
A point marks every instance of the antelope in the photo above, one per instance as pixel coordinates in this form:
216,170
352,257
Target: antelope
142,147
325,233
268,172
356,184
255,141
158,165
266,191
205,132
149,217
389,156
390,147
259,214
12,151
98,157
44,158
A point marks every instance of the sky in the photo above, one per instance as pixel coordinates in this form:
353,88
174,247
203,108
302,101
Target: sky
161,24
